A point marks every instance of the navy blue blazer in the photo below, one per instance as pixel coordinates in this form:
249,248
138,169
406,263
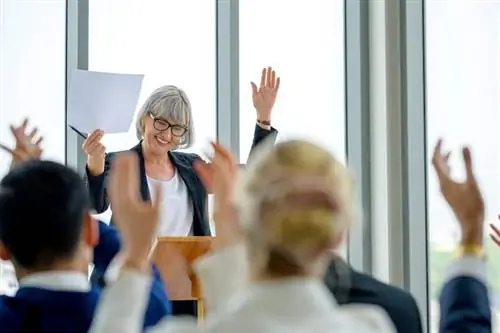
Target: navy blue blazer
464,306
37,310
184,165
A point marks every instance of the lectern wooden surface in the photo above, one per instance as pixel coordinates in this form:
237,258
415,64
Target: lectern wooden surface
173,257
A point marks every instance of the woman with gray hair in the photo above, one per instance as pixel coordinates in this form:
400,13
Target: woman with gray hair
164,124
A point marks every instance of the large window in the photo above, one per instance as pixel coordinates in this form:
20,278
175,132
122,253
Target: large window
463,89
170,42
305,44
32,80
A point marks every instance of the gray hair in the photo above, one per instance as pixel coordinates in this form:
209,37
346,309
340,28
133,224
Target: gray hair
171,103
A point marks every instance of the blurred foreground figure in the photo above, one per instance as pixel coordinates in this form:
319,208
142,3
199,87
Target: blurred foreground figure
47,231
276,228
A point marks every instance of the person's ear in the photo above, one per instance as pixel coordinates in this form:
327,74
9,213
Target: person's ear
4,255
91,231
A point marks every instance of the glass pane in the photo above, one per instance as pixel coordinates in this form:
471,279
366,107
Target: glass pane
170,42
463,90
32,80
305,44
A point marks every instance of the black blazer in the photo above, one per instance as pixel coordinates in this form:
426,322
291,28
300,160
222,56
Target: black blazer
183,162
352,287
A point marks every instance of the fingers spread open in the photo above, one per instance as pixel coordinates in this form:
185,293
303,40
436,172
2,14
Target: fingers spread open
468,164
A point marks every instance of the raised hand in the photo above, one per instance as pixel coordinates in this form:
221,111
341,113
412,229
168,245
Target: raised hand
222,174
495,233
464,198
28,145
137,220
95,151
264,96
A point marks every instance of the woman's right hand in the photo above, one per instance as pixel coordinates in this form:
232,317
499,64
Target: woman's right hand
95,151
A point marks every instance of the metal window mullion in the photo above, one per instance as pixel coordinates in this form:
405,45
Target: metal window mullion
358,126
228,85
77,47
414,154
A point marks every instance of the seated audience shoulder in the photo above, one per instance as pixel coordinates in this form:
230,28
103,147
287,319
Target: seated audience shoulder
360,288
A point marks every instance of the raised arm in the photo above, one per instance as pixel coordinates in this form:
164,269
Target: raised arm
464,301
96,170
106,260
263,98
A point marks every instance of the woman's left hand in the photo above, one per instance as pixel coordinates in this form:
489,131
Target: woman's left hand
264,96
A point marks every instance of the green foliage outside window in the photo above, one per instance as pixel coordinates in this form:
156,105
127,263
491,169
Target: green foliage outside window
439,259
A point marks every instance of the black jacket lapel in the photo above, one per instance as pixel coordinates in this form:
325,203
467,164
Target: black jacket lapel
143,186
196,191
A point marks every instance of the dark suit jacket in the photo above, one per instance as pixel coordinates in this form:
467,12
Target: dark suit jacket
464,306
38,310
184,165
352,287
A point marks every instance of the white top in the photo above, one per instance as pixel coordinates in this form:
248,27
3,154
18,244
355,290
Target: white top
176,208
57,281
294,305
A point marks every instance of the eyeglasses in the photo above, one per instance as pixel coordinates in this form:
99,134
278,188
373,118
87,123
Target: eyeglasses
162,125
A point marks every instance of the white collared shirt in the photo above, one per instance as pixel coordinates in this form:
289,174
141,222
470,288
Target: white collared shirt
57,281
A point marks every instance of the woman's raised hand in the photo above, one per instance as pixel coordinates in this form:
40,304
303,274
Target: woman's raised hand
264,96
28,145
95,151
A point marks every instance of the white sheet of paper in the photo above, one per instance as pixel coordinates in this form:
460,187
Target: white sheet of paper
105,101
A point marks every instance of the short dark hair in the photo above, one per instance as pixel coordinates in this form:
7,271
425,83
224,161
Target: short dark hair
42,208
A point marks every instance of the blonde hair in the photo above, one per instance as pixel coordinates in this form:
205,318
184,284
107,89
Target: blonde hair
295,201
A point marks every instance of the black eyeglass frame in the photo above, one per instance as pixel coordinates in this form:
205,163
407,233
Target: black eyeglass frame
173,127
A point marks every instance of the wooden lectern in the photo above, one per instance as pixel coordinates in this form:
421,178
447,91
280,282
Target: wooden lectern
174,257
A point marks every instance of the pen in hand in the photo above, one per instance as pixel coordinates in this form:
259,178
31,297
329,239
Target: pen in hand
78,132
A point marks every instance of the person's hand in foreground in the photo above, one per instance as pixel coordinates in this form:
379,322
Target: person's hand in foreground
28,146
222,174
136,219
495,233
464,198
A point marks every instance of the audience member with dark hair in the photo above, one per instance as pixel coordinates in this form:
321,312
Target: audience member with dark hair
49,235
